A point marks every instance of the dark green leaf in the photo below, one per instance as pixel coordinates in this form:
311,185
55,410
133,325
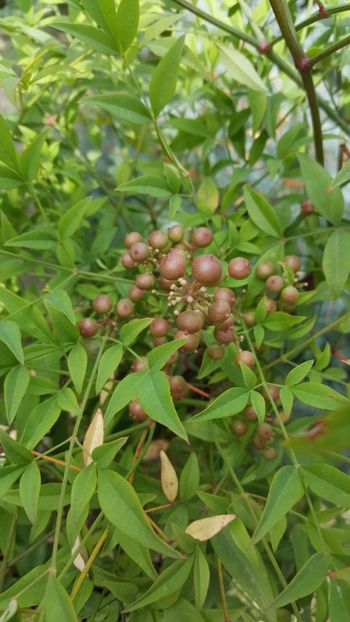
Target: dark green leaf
318,395
164,77
10,335
58,605
29,489
131,330
328,483
229,403
297,374
108,365
15,387
159,356
336,261
306,581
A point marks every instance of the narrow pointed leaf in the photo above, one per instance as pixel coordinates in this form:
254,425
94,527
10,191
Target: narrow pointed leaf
164,77
15,387
29,489
10,335
306,581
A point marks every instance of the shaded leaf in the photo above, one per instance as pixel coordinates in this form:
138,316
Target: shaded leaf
15,387
29,489
164,77
336,261
121,105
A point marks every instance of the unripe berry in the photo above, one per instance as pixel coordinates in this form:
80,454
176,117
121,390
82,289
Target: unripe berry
132,238
265,431
273,391
102,304
250,413
127,262
176,233
271,305
224,336
135,294
140,364
145,281
274,283
249,318
139,251
307,207
190,321
158,341
178,387
202,237
215,352
173,265
226,294
206,269
293,261
246,357
88,327
136,411
159,327
290,294
218,312
192,340
124,308
269,453
158,239
239,428
239,268
264,270
258,442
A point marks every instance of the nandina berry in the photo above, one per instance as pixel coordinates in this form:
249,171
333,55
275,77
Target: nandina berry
273,391
307,207
274,283
246,357
215,352
239,268
190,321
140,364
158,341
269,453
136,411
202,237
173,265
139,252
176,233
218,312
145,280
127,262
88,327
158,239
225,324
264,270
293,261
159,327
132,238
135,294
124,308
226,294
265,431
178,387
258,442
192,340
165,284
239,428
224,335
102,304
290,294
206,269
271,305
249,318
250,413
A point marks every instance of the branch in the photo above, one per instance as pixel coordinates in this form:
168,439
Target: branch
330,50
303,64
316,17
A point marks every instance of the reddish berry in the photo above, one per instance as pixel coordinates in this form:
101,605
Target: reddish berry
136,411
224,335
190,321
293,262
239,268
173,265
246,357
225,294
239,428
192,340
269,453
250,413
273,391
265,431
159,341
127,262
102,304
135,294
274,283
215,352
124,308
132,238
159,327
140,364
249,318
88,327
264,270
290,294
165,284
139,251
145,281
258,442
176,233
271,305
307,207
158,239
202,237
219,312
178,387
206,269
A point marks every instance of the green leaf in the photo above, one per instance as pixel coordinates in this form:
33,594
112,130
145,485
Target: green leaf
298,374
229,403
30,158
77,364
287,399
15,387
57,604
104,454
169,582
342,177
261,213
71,220
240,68
159,356
29,489
306,581
8,476
9,178
317,183
190,478
15,452
109,363
339,600
8,153
125,391
66,400
60,300
201,578
131,330
10,335
40,239
155,399
249,378
83,488
336,261
318,395
122,507
104,14
91,36
164,77
259,404
328,483
279,321
128,15
120,105
137,552
153,185
40,421
285,491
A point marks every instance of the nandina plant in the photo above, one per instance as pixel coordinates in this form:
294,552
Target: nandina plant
174,311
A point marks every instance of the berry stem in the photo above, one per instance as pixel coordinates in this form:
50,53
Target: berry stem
199,391
54,460
338,45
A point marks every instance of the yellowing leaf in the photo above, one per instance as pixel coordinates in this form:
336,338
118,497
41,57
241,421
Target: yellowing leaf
94,436
170,483
79,561
205,528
